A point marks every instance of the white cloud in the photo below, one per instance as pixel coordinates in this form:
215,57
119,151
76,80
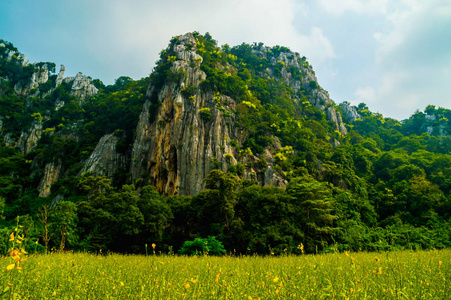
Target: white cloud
412,60
356,6
136,31
366,94
317,46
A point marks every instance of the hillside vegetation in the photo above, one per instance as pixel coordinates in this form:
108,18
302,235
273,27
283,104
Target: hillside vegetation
349,179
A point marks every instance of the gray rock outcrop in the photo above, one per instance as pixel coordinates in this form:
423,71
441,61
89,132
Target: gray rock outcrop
349,111
52,172
104,160
40,76
60,77
83,87
29,140
318,97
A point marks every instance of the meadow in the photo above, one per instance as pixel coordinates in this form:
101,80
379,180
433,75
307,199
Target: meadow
386,275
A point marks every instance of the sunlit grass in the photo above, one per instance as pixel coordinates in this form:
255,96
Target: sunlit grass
391,275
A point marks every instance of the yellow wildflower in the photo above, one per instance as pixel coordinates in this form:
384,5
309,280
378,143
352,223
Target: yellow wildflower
10,267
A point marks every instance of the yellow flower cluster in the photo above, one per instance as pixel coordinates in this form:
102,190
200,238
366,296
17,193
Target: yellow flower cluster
16,252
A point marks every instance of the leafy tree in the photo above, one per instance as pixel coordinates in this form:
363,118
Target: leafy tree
266,221
156,212
314,204
425,198
64,218
215,205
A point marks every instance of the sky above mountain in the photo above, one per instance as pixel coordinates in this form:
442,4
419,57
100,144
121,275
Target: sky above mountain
394,55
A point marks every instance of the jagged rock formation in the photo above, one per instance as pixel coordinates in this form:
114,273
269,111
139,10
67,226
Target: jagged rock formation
11,53
178,149
82,86
104,160
349,111
39,76
60,77
29,140
52,172
435,126
319,97
8,140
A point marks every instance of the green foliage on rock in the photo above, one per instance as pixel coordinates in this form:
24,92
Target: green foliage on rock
205,113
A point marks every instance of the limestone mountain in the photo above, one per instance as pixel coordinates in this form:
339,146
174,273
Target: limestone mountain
241,143
193,118
251,110
201,98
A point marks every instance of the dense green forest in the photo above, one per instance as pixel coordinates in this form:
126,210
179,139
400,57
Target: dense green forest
384,185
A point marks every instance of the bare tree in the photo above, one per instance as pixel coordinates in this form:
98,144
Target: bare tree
43,216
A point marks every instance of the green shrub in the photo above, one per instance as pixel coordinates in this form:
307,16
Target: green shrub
209,246
313,84
239,169
189,91
205,114
232,169
228,157
234,143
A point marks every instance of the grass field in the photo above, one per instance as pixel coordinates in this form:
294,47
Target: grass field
389,275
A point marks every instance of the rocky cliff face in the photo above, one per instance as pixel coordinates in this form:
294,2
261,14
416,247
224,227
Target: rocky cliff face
25,81
28,140
318,96
104,160
175,150
82,86
39,76
188,136
52,172
349,111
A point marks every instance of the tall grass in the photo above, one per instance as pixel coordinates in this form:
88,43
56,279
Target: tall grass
389,275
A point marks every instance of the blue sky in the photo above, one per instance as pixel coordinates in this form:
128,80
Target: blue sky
394,55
